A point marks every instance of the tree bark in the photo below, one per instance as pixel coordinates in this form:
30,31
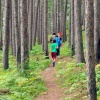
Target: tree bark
78,33
35,26
24,37
0,25
55,16
13,30
58,16
97,30
45,28
5,62
17,34
43,25
64,21
11,44
90,61
30,22
72,28
40,22
83,13
69,29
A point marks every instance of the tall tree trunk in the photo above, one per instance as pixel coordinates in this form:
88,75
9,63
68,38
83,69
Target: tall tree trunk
38,26
35,26
90,61
10,27
78,33
17,33
55,16
0,24
64,21
40,22
83,13
5,62
69,29
72,28
28,5
97,30
30,22
13,30
58,16
19,18
45,28
24,36
43,25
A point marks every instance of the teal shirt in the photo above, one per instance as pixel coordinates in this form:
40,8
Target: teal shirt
54,47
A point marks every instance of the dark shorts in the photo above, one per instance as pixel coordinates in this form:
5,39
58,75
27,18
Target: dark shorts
53,54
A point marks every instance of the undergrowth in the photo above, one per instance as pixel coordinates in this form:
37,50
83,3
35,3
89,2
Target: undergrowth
23,88
72,76
65,50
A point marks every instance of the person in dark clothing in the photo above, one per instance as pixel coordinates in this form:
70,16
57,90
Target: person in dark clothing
58,41
52,37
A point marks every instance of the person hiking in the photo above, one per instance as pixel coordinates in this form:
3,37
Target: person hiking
53,37
53,50
60,34
59,42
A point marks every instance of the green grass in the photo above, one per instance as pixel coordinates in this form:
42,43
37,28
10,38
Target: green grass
72,76
24,88
65,50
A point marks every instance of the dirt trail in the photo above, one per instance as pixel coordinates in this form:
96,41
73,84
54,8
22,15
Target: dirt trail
54,91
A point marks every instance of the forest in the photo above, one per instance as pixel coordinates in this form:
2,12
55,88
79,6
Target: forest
30,68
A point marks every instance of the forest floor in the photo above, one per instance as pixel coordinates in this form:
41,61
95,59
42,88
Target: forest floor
58,88
55,92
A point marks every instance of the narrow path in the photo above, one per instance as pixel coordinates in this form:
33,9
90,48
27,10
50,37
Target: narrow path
54,91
